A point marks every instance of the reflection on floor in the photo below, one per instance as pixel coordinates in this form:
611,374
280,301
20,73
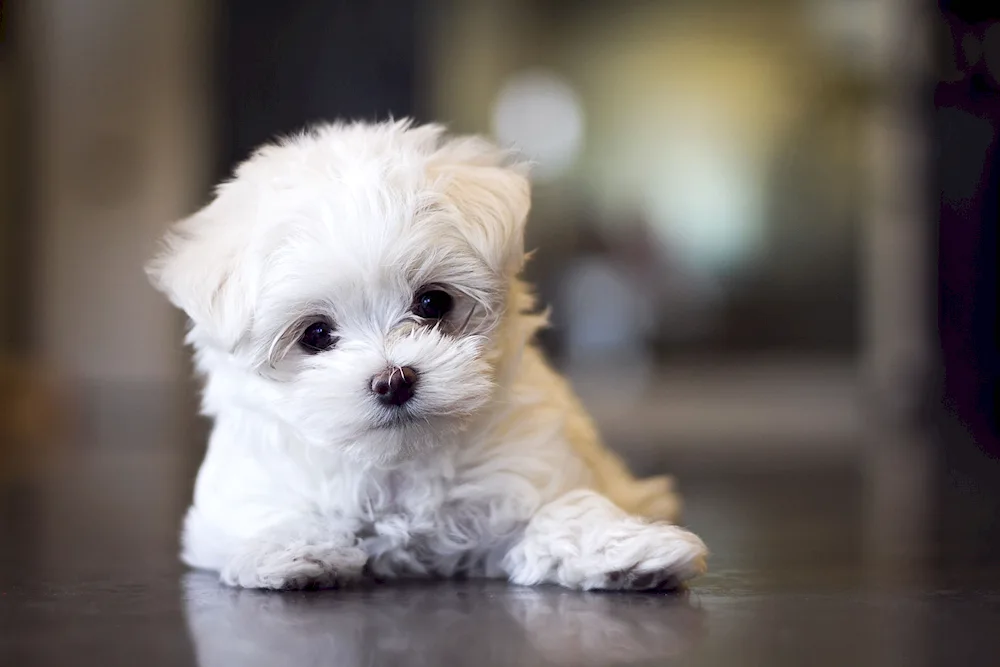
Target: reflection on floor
858,563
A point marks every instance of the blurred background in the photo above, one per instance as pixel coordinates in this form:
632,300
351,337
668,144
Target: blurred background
767,232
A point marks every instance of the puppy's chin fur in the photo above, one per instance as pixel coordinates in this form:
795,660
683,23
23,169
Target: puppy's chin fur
491,467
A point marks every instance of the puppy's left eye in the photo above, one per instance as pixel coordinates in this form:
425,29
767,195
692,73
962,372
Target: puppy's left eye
432,304
318,337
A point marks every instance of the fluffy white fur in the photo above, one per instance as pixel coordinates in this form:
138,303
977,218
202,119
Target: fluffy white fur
492,469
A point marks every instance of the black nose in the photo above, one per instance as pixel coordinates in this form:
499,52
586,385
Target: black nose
394,386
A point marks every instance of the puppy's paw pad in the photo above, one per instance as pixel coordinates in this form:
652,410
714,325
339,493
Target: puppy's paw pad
635,580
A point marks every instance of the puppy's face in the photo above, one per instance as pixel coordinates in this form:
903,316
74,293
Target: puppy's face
352,283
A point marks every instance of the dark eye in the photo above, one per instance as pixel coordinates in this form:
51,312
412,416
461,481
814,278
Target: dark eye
432,304
318,337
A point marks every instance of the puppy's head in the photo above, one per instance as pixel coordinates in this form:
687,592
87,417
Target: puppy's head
353,282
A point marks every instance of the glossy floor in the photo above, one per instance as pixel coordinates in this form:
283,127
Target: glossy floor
825,564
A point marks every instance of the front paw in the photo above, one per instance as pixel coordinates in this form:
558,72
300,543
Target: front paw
604,549
294,566
644,556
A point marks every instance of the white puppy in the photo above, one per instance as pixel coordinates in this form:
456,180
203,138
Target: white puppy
379,407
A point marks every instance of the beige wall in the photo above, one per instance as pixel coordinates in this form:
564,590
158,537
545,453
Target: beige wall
122,151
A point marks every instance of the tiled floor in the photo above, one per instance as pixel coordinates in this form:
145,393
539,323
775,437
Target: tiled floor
88,576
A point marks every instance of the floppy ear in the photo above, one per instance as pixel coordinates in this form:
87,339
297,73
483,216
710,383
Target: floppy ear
199,269
493,196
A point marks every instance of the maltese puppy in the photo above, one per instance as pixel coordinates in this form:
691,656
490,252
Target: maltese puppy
379,408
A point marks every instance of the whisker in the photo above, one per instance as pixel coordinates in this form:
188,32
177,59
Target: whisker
468,318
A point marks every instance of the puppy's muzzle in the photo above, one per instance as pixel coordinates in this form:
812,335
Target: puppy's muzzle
395,386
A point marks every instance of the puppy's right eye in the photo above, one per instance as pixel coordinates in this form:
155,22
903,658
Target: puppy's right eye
318,337
432,304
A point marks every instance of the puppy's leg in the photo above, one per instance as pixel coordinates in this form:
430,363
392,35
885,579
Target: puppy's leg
652,498
583,540
294,555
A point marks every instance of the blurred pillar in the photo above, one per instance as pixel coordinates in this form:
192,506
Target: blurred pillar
118,149
119,136
899,318
899,284
899,292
